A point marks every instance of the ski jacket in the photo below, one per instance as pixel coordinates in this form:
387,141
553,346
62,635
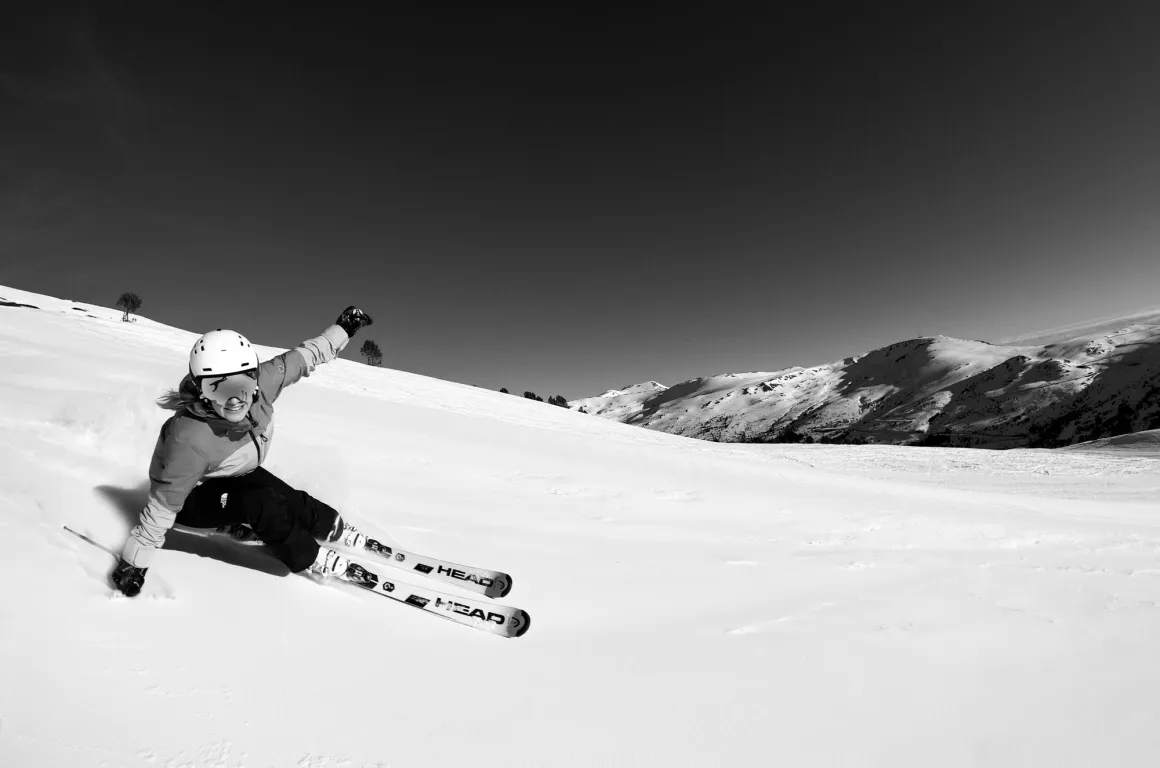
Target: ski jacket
197,444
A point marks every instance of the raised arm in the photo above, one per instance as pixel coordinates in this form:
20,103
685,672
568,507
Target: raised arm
280,372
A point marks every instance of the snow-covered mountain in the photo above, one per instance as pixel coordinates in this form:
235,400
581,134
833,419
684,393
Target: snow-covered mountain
693,604
1056,388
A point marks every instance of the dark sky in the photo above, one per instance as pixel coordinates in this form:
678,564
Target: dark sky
567,201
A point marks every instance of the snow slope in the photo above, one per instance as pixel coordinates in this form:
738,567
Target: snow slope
1147,441
958,392
693,603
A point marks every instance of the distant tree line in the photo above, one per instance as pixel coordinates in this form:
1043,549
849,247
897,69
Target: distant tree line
552,400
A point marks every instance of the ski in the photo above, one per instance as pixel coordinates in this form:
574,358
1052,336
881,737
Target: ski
481,580
496,619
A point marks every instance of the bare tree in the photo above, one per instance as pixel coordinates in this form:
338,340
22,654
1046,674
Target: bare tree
371,352
129,302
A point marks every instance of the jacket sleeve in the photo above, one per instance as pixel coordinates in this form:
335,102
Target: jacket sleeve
276,374
175,470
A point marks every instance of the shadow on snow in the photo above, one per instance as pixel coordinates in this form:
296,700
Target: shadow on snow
130,501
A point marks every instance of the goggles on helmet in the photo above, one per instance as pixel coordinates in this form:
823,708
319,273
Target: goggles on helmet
222,389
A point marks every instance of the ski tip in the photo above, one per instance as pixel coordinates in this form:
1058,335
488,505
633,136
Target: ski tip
501,587
525,622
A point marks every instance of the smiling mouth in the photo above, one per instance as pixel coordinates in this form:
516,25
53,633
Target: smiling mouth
236,408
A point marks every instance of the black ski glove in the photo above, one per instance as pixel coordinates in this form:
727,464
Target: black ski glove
351,319
128,578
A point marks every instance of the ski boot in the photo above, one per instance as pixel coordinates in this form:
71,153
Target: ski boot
347,535
328,563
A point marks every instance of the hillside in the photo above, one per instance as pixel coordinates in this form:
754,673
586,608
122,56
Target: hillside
693,604
936,391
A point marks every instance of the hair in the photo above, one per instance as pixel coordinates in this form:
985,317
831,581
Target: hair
183,396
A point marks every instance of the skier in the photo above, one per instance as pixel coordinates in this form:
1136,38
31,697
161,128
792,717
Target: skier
206,470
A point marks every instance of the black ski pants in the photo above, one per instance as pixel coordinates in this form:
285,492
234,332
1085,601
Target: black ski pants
287,521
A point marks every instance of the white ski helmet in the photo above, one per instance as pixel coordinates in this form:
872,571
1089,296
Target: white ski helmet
220,353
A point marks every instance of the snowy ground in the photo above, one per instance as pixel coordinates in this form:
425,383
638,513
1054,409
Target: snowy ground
693,604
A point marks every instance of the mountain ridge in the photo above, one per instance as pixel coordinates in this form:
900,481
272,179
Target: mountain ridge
1087,383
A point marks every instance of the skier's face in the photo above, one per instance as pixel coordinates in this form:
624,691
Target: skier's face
234,410
231,396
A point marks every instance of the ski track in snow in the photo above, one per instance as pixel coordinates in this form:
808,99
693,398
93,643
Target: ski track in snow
693,603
